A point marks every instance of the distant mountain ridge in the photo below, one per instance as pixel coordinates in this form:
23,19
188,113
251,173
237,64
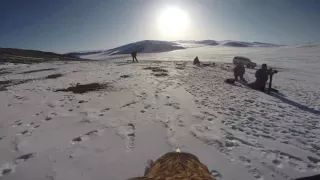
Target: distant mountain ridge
155,46
14,55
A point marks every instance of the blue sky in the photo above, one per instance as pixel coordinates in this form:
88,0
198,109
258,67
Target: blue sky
72,25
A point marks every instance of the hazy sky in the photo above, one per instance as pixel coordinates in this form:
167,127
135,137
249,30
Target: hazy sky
72,25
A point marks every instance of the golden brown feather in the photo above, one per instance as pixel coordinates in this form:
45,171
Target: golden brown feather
177,166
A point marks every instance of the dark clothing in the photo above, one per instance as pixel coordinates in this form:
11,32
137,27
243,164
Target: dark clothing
196,61
262,76
134,56
239,71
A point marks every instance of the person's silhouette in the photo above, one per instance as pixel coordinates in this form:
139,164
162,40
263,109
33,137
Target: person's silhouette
196,61
134,56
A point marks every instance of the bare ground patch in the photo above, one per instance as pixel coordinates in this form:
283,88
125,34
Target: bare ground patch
125,76
155,69
38,70
161,74
12,82
54,76
85,88
4,71
8,83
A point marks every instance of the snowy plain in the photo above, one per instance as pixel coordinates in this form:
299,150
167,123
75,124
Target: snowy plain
240,133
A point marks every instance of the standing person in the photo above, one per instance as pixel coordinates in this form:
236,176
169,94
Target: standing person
134,56
262,75
239,71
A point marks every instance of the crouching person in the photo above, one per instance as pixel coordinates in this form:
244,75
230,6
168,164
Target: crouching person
262,76
239,71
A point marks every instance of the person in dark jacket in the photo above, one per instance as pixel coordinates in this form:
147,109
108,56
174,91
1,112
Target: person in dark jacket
134,56
196,61
262,76
239,71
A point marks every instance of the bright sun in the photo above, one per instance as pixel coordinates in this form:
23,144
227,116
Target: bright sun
173,22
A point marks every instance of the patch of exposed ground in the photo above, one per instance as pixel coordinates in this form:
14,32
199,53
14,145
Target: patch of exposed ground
54,76
161,74
8,83
85,88
38,70
4,71
155,69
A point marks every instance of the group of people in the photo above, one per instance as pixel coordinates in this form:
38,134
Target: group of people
262,76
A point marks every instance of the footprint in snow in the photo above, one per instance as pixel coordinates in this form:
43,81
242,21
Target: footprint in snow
48,118
198,116
143,96
216,174
128,134
297,163
174,105
129,104
85,137
25,132
82,101
256,174
17,123
245,161
277,162
10,167
21,98
105,110
51,105
36,126
147,106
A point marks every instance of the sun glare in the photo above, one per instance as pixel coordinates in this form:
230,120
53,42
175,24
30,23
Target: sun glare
173,22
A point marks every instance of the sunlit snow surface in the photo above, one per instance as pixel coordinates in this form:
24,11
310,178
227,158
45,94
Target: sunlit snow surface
111,133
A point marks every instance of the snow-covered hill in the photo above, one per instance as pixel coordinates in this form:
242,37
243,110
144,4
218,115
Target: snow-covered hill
146,46
152,46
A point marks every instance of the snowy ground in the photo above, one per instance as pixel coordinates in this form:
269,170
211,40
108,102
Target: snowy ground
111,133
